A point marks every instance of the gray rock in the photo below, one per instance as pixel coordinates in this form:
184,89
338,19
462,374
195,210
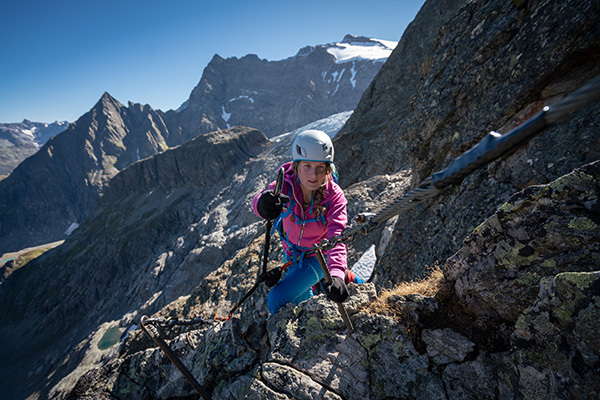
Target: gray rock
415,305
246,387
396,368
314,339
536,234
296,384
445,346
472,380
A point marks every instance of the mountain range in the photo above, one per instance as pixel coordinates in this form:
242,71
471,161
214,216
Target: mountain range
489,290
22,139
55,189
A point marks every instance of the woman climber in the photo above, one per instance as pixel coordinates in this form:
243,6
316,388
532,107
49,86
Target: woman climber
312,207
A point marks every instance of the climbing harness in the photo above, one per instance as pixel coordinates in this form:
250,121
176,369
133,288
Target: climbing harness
492,147
299,253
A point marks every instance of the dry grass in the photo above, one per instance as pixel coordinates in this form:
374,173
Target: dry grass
22,259
428,286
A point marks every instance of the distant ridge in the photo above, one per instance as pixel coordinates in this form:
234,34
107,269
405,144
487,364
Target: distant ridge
22,139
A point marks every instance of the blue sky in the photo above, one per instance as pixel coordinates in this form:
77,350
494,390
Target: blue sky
58,57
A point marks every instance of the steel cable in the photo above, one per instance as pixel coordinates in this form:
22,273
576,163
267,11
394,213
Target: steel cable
493,146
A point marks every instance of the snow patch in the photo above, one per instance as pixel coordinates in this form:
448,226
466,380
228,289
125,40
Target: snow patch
336,89
29,133
337,76
225,115
386,236
364,267
71,228
240,98
375,49
353,77
330,125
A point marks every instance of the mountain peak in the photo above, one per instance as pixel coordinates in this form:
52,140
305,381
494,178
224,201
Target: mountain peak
107,101
107,97
356,39
216,59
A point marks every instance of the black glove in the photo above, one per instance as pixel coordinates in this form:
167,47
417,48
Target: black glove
270,206
337,291
273,276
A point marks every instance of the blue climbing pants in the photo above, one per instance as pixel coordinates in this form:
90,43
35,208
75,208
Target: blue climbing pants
297,284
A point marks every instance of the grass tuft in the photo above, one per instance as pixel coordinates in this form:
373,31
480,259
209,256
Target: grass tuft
428,286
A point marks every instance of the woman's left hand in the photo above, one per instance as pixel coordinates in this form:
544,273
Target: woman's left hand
337,291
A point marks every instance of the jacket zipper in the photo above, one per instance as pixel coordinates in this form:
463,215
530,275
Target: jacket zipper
301,234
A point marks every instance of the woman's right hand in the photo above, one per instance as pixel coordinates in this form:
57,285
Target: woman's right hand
270,206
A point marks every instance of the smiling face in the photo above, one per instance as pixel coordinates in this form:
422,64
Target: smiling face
311,175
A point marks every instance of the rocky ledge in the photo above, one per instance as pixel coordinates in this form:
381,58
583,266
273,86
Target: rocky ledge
516,315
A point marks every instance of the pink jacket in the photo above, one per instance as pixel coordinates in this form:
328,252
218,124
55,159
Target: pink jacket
305,235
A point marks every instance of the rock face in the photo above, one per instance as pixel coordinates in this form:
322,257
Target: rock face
516,316
535,233
22,139
60,185
448,83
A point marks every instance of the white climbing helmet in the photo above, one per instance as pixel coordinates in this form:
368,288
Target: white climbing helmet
312,145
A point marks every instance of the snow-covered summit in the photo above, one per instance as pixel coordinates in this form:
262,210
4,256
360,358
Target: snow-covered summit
360,47
353,48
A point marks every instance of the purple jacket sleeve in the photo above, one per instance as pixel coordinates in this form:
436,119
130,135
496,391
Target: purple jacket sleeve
337,219
255,199
255,202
